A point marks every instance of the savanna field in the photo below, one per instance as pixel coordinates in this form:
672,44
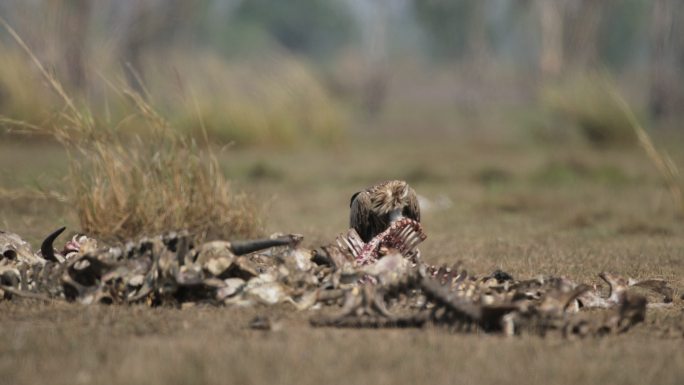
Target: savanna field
572,212
241,130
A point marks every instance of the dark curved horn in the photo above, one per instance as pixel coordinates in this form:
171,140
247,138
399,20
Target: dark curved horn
246,247
46,248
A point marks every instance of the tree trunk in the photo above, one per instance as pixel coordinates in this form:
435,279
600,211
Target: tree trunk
74,33
375,52
478,39
151,23
663,61
551,17
582,27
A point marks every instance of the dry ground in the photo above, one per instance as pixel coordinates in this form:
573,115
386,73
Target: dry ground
529,210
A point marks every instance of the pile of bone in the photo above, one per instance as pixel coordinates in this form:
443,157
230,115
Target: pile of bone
424,295
163,270
382,283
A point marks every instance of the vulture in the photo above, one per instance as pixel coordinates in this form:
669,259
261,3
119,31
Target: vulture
375,208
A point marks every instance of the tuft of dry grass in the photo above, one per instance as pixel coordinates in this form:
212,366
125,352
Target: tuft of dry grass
158,180
125,188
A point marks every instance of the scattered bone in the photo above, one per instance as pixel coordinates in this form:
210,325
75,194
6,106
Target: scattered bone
403,235
364,306
13,249
381,283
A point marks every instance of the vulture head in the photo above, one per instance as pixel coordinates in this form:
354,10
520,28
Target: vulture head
378,206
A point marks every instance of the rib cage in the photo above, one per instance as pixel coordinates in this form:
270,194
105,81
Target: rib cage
403,235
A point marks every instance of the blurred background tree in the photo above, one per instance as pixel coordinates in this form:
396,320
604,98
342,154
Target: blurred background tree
325,67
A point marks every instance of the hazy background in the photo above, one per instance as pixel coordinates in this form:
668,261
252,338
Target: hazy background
270,72
502,114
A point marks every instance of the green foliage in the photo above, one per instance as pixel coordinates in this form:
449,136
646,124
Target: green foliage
446,22
623,30
304,26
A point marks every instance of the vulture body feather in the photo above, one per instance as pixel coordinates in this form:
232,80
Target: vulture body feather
375,208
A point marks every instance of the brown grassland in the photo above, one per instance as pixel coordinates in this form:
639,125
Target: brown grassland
508,204
500,193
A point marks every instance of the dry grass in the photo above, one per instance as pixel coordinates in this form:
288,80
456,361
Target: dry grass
573,229
606,119
623,231
125,188
586,102
20,88
275,100
661,160
122,187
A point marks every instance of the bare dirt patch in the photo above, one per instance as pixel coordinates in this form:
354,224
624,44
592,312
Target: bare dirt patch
70,343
